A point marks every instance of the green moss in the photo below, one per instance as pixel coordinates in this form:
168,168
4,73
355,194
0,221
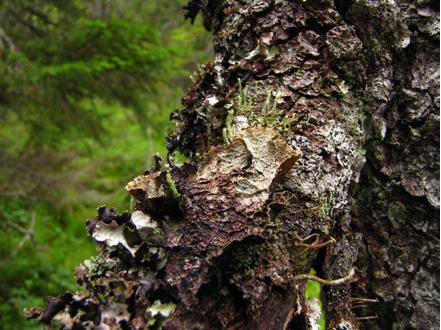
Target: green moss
376,47
302,258
323,206
361,151
245,257
355,129
172,186
326,206
275,229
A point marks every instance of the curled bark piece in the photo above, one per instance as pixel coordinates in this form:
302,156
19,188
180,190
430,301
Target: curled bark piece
224,201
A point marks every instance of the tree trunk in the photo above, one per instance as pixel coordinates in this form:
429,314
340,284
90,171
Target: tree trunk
314,140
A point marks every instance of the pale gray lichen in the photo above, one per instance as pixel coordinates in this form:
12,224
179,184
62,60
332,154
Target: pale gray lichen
313,312
144,224
112,235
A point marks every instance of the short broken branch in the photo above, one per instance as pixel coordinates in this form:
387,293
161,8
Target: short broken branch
29,234
15,226
366,318
364,300
359,306
7,40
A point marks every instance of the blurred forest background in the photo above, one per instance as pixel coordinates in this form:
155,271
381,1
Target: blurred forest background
86,89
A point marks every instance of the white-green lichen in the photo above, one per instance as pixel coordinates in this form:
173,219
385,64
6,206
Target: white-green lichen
228,131
159,312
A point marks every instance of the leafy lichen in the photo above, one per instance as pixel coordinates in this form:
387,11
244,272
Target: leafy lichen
158,313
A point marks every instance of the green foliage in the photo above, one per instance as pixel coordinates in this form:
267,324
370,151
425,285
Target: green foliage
43,266
81,83
85,59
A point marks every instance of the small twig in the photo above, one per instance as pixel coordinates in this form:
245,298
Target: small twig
4,226
359,306
7,40
312,245
326,282
149,147
235,326
364,300
40,33
318,246
289,317
364,318
39,14
306,238
274,108
266,107
30,234
14,225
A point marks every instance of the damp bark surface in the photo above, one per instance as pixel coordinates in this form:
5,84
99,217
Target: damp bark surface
313,142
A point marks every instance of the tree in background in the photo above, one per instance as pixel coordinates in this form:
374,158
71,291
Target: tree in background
61,58
314,139
73,74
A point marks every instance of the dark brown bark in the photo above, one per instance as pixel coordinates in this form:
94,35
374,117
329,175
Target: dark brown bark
225,241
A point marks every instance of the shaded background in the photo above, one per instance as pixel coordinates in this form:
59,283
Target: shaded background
86,89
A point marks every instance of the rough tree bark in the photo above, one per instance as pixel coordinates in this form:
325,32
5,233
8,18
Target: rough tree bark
314,139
